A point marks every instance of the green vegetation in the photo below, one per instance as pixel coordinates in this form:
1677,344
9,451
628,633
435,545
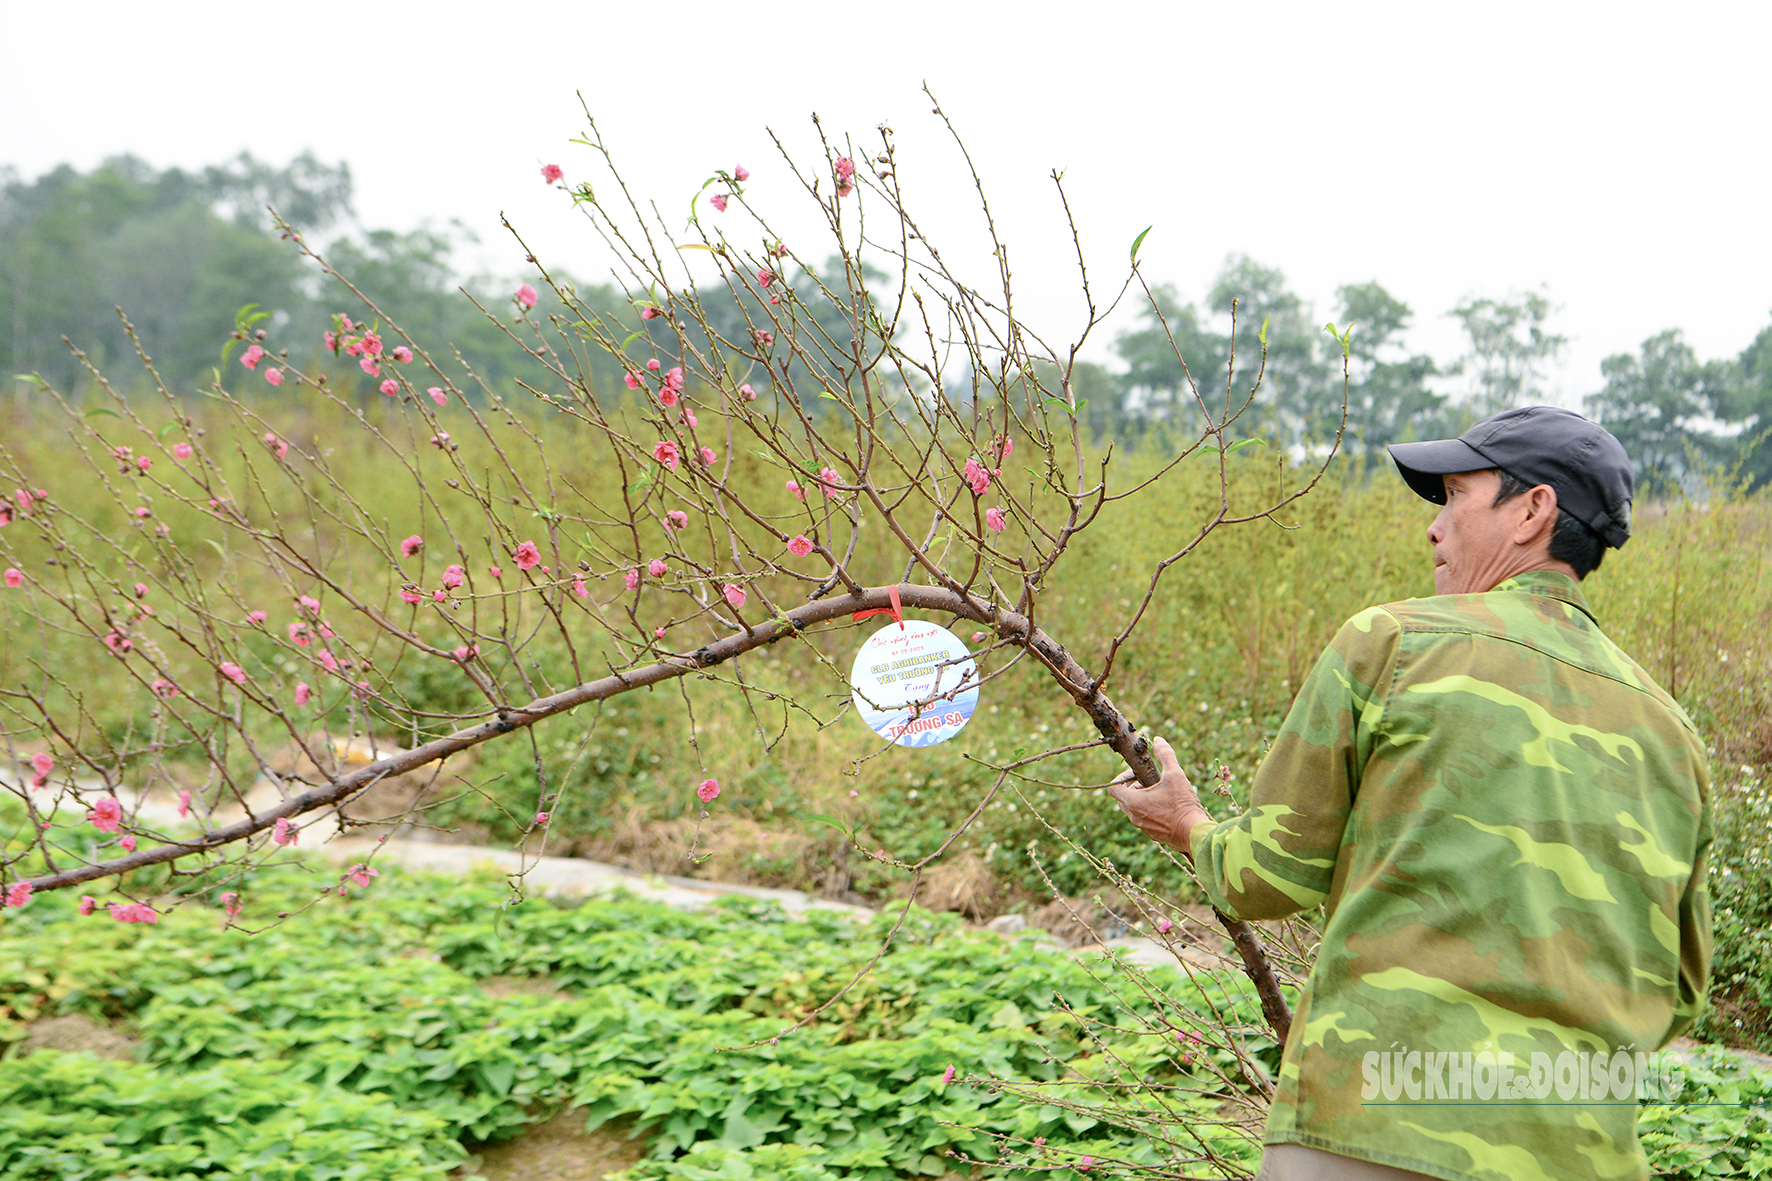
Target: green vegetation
363,1025
358,1041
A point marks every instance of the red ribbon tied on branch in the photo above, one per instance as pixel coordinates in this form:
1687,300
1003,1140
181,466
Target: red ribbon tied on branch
896,610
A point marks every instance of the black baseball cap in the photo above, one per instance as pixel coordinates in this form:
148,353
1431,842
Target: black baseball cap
1579,459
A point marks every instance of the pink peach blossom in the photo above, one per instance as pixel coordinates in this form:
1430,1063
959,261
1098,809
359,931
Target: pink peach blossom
466,652
250,358
370,366
718,201
438,596
495,571
372,344
741,174
88,904
994,520
584,592
709,790
181,451
128,842
689,419
541,820
309,604
975,475
106,815
361,874
947,1076
402,354
766,278
411,545
437,395
551,173
163,688
184,803
631,579
143,464
747,393
631,380
143,513
794,489
526,295
302,692
676,519
828,478
274,376
14,577
118,643
284,832
18,893
707,456
656,567
650,313
390,387
666,453
528,557
330,340
230,902
800,546
134,912
276,444
233,672
653,365
43,763
410,596
327,660
668,397
734,594
453,576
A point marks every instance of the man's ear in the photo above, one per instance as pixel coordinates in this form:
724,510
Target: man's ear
1541,516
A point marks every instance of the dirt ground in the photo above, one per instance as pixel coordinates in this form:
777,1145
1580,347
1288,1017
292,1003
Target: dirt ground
557,1150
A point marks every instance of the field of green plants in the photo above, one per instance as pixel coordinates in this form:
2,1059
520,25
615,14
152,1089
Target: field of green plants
358,1041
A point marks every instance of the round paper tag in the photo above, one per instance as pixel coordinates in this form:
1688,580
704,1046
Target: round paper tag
900,668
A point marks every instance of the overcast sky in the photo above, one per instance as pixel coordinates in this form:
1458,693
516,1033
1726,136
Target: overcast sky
1614,154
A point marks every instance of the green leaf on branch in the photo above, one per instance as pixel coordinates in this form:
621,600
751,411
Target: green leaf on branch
32,378
1139,241
1262,335
1341,338
1066,406
97,411
167,430
830,820
831,396
1235,447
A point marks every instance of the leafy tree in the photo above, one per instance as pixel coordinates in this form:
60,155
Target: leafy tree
76,246
1744,405
1508,351
1655,403
1388,399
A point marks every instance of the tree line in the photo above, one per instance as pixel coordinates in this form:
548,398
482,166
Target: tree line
182,251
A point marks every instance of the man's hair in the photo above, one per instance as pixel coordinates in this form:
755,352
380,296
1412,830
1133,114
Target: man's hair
1572,541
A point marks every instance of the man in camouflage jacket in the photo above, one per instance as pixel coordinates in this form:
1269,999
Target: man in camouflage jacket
1506,821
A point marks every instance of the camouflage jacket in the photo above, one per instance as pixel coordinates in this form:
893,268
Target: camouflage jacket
1507,823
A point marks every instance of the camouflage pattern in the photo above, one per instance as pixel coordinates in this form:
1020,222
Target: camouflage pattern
1507,821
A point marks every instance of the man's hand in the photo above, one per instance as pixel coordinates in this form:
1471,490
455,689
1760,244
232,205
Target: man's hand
1168,810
